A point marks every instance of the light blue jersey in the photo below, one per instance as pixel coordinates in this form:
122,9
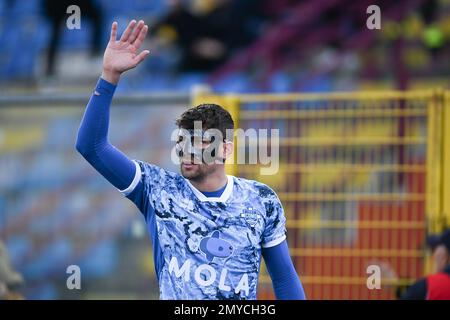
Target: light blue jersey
206,248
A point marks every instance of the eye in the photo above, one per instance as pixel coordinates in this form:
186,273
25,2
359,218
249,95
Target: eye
220,248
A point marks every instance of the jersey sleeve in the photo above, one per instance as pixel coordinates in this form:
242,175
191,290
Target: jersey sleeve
275,227
147,183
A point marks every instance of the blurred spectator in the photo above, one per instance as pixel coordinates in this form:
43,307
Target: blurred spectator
435,286
10,280
433,36
55,11
207,31
429,10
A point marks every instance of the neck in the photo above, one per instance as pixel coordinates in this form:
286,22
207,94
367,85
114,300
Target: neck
213,182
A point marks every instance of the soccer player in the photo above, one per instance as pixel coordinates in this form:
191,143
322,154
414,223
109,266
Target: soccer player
209,230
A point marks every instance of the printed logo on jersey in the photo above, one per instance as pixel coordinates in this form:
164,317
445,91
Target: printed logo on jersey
214,247
250,215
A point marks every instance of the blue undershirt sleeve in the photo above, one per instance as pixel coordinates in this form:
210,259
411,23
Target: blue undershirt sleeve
92,141
285,281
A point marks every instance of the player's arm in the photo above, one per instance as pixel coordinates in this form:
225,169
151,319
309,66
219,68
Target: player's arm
92,140
285,281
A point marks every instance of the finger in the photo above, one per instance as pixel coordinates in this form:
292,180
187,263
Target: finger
141,56
127,31
136,31
113,32
140,37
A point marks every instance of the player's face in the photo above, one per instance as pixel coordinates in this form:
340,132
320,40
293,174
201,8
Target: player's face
199,156
197,171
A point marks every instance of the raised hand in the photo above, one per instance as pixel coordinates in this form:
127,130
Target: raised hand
122,55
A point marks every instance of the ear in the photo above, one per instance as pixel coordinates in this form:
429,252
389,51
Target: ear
228,148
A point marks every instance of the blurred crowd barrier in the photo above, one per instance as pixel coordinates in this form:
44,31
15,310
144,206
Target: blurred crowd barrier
362,177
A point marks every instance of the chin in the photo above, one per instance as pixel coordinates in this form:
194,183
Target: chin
189,174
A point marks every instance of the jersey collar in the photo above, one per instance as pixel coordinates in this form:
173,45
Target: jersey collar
225,194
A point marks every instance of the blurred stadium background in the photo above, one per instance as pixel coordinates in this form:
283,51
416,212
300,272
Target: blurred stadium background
363,174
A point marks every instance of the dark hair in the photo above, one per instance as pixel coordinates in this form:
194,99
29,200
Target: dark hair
211,115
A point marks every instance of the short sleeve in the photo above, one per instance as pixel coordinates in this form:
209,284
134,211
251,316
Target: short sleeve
275,227
148,181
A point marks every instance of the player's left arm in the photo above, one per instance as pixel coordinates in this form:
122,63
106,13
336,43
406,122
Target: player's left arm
285,281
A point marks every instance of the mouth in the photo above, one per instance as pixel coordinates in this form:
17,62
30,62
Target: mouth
188,165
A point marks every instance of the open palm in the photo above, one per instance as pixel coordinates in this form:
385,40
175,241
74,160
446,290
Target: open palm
122,55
